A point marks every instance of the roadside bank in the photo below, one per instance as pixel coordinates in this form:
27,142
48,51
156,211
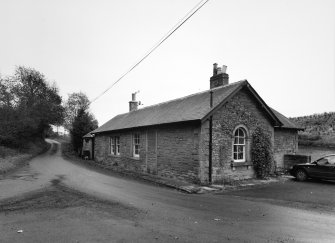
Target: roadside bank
12,159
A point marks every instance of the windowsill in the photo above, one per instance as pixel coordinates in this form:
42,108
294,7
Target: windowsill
114,155
240,164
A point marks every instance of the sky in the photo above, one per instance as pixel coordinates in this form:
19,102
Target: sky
284,48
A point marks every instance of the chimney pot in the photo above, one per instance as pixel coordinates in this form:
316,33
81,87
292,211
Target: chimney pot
215,67
220,77
224,69
133,104
133,96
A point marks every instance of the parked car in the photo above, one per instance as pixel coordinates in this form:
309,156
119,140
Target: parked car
323,168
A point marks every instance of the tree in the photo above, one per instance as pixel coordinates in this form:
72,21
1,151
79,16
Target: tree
39,101
8,113
7,101
74,103
28,105
83,123
6,93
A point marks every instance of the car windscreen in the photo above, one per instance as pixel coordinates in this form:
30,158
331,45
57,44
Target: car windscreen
331,160
322,161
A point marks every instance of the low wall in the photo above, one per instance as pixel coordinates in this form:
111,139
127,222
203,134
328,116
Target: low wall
293,159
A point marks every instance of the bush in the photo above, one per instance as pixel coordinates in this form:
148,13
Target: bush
261,153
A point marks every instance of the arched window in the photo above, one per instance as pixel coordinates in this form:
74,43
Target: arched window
239,145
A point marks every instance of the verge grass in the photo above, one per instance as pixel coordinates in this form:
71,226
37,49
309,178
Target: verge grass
13,158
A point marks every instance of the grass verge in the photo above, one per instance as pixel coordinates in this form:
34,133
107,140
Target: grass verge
11,159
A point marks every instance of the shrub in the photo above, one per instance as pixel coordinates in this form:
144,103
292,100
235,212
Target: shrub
261,152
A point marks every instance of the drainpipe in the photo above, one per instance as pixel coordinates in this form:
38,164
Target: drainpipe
210,145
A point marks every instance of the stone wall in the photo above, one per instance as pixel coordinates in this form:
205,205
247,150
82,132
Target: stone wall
293,159
170,151
285,142
87,146
125,160
178,152
241,110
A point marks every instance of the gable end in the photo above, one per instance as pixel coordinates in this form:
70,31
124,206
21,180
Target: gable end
258,99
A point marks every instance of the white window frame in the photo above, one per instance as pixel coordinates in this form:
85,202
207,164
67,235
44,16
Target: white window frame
136,145
117,145
112,145
237,137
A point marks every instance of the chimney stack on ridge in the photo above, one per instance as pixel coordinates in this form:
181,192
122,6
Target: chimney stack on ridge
133,104
220,77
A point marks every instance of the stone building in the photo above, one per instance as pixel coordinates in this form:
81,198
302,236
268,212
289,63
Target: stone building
88,146
202,138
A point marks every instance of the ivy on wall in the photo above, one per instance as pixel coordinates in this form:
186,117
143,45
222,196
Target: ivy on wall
261,153
237,113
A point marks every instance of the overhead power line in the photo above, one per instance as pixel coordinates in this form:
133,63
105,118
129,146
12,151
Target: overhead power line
195,9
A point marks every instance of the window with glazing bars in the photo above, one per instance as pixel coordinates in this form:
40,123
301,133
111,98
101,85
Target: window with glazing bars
112,145
115,145
239,145
136,145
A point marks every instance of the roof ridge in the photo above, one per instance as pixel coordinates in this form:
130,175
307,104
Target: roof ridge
187,96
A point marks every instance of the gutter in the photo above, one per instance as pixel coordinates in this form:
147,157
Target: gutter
291,128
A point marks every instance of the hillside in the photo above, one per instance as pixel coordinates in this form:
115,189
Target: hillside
319,129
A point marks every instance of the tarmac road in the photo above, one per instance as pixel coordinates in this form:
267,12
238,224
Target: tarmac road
55,200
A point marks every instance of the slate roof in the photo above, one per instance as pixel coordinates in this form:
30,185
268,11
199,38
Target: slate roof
189,108
287,123
88,135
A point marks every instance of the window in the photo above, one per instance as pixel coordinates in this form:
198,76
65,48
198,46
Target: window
328,160
136,145
239,145
331,160
115,145
112,145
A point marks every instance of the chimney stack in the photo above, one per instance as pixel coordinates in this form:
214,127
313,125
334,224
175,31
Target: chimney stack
133,104
220,77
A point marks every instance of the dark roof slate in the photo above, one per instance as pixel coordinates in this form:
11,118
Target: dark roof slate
287,123
189,108
88,135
